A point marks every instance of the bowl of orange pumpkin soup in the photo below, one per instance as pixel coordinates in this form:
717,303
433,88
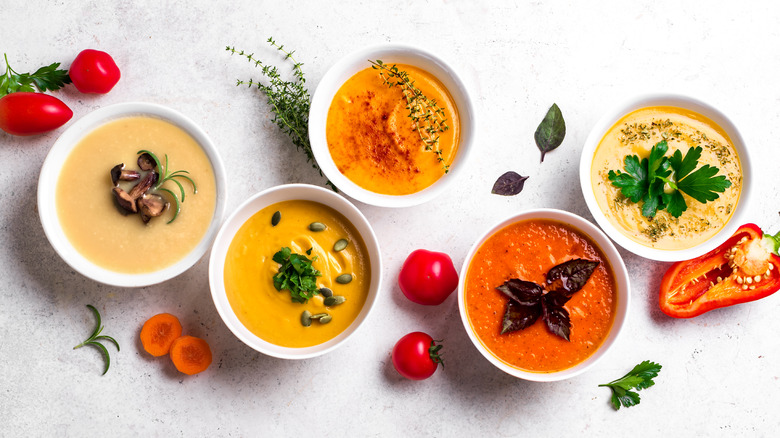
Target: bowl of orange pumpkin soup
392,125
295,271
94,165
530,274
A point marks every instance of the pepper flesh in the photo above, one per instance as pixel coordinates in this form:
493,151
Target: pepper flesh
738,271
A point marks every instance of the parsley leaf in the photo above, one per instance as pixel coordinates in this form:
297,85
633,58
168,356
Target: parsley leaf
296,274
44,79
659,181
641,377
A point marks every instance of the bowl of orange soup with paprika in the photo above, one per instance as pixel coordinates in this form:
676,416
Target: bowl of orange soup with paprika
295,271
391,125
543,295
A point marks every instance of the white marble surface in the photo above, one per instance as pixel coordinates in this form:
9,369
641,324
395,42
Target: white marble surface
720,375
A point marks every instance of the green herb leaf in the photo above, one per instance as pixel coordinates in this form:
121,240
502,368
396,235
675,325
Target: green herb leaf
640,377
165,174
658,180
551,131
95,337
296,275
44,79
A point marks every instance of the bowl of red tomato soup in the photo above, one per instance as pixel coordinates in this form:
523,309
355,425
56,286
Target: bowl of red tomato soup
543,295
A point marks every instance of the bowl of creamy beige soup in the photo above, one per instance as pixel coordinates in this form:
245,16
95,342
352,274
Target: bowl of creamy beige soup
132,194
667,177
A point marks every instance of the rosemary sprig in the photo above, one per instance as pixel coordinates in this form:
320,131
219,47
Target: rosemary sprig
289,100
426,114
167,175
96,336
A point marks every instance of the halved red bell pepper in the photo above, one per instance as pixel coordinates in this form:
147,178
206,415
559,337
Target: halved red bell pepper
744,268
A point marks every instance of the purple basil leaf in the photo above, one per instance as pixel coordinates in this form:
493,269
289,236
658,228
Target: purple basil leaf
509,184
518,317
525,293
555,316
572,275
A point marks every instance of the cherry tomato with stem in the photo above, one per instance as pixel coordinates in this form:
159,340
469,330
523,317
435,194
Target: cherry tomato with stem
416,356
94,71
428,277
25,113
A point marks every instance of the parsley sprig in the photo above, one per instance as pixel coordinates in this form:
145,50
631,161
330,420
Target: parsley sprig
659,181
44,79
641,377
96,336
296,274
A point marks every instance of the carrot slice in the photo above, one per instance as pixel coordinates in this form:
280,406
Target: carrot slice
159,332
190,355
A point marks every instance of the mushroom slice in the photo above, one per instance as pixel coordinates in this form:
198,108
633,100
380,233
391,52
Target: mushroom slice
124,200
146,162
151,205
144,185
119,173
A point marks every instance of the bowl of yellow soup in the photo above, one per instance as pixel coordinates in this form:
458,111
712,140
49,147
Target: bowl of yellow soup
295,271
704,180
392,125
97,159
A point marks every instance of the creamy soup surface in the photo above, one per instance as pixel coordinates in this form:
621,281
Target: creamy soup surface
96,227
249,271
635,134
374,142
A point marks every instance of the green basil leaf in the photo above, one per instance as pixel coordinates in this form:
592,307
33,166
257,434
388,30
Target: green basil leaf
551,131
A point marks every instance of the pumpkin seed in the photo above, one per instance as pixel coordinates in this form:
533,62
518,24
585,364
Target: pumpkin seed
344,278
319,315
325,319
276,218
325,292
317,226
340,245
334,300
306,318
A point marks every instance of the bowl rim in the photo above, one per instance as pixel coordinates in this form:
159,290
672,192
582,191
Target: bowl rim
237,219
356,61
615,113
52,167
622,284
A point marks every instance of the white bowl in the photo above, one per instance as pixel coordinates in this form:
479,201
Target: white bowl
621,281
50,173
247,210
680,101
400,54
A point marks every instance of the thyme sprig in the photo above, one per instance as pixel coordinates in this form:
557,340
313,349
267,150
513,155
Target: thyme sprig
289,100
166,175
96,336
427,116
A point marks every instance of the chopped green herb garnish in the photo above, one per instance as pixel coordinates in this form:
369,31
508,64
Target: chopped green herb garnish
96,336
296,275
659,181
641,377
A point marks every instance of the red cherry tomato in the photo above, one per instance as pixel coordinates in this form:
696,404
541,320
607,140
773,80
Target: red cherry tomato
416,356
428,277
94,71
26,113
